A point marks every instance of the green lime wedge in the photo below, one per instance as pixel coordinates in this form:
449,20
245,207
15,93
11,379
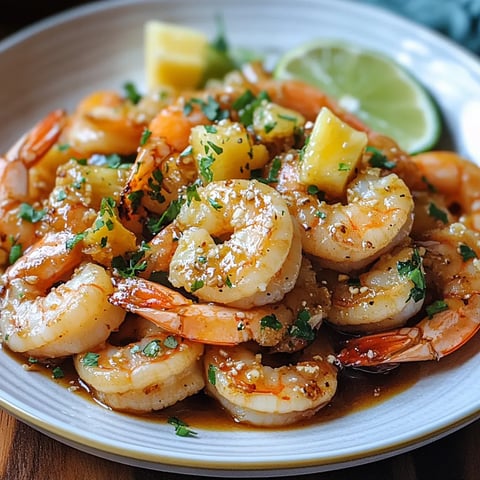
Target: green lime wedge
370,85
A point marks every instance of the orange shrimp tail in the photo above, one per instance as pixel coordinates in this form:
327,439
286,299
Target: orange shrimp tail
36,143
135,294
386,347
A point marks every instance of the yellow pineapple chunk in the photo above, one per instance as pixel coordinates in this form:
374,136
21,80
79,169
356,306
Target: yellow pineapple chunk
225,150
108,238
331,154
175,55
271,121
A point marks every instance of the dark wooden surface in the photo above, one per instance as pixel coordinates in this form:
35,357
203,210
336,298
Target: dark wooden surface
26,454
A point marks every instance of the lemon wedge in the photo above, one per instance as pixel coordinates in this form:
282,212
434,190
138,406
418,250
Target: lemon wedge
175,55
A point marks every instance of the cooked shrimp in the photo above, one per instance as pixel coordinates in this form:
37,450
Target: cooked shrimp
14,180
378,215
104,123
255,393
157,178
284,325
451,260
201,322
257,232
456,179
297,95
387,295
155,371
47,321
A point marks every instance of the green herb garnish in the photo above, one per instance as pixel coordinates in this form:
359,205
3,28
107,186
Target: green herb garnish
413,270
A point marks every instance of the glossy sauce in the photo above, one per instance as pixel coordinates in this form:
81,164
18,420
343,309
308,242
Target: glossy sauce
357,390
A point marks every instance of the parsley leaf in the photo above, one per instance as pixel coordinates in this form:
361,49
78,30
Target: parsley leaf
466,252
436,307
270,321
437,213
132,264
28,213
413,270
212,374
90,359
131,92
182,429
301,328
379,160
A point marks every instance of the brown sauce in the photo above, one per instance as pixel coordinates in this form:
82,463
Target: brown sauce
357,390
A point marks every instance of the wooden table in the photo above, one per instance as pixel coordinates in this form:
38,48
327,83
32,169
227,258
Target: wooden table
26,454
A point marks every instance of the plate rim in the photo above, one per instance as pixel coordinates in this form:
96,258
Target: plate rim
124,456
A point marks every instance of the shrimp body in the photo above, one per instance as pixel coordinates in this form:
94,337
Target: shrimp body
104,123
255,393
151,373
257,231
451,259
47,322
381,298
378,215
15,185
202,322
456,179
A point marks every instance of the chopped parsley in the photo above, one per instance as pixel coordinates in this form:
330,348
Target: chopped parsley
430,187
28,213
302,328
379,160
196,285
145,136
436,307
212,374
155,224
16,251
204,165
132,93
192,193
215,204
270,321
171,342
182,429
314,190
133,264
437,213
152,349
71,242
466,252
57,372
211,108
246,104
413,270
90,359
272,173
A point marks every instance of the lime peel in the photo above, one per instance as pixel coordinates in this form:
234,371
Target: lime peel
375,88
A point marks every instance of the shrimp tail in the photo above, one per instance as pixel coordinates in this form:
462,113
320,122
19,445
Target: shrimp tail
403,344
35,143
431,339
135,294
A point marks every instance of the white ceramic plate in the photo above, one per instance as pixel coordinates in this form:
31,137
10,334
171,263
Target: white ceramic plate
57,61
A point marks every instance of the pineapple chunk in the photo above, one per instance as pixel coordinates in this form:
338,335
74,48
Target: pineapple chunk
225,151
175,56
331,154
108,238
271,121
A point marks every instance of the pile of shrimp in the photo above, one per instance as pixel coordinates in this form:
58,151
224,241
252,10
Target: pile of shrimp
160,283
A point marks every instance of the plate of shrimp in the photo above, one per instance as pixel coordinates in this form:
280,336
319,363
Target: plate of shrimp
166,249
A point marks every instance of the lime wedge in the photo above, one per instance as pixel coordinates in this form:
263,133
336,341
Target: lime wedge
371,86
